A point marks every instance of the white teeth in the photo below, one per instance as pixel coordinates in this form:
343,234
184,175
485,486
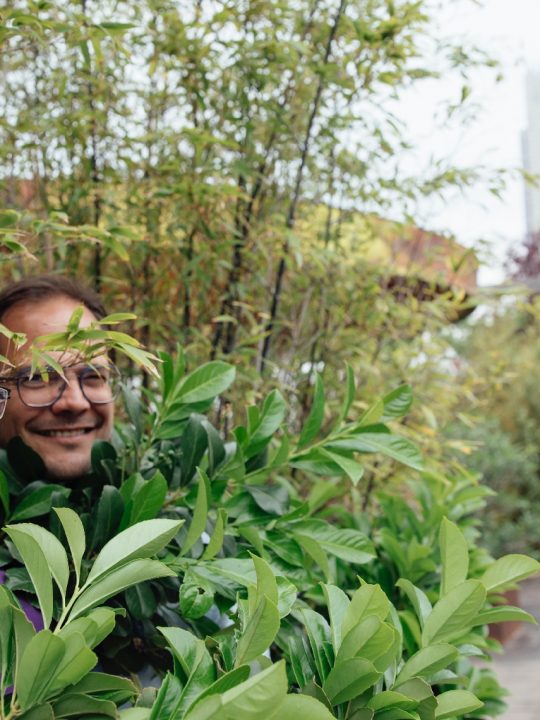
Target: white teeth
64,433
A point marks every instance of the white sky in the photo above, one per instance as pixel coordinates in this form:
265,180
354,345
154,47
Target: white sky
511,32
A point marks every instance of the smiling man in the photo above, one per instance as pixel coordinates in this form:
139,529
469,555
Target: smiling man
59,417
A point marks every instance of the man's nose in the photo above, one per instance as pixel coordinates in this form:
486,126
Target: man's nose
72,398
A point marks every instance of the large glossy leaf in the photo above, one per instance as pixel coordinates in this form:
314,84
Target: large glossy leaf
454,556
40,712
258,697
418,599
107,586
74,531
39,663
352,468
206,382
195,662
167,700
366,601
266,584
78,661
74,705
397,403
369,639
454,613
455,703
393,446
37,502
349,679
200,513
193,444
139,541
149,499
272,415
427,661
337,603
314,420
319,636
508,570
38,569
216,540
261,629
298,707
53,551
504,614
347,544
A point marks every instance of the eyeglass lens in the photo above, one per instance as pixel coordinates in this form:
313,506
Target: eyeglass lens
98,384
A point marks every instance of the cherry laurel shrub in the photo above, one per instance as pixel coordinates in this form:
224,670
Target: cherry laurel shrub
242,570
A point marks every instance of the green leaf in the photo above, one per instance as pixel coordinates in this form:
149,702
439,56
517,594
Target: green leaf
74,531
390,699
261,629
418,599
349,679
38,502
314,550
266,585
370,638
508,570
454,613
353,469
106,516
196,596
193,444
456,703
258,697
200,514
38,569
272,414
105,586
141,602
216,541
166,702
77,705
397,403
98,682
298,707
337,603
149,499
394,446
454,556
41,658
52,549
504,614
315,418
206,382
195,663
78,660
319,636
366,601
4,492
139,541
373,414
426,662
347,544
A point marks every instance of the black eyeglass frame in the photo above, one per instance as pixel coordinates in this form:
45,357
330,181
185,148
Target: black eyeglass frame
18,379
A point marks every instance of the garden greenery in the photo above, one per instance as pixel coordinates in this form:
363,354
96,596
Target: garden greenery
242,568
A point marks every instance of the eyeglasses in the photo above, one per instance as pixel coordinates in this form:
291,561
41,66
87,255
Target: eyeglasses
100,384
4,397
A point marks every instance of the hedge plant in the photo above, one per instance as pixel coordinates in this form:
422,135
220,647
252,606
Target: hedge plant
273,594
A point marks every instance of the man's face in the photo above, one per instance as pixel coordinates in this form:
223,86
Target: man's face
63,433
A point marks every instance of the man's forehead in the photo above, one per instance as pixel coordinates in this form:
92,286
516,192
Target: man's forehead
34,318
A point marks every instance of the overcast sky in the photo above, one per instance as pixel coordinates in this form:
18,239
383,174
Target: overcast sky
509,30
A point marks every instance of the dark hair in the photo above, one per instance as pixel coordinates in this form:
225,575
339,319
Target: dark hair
42,287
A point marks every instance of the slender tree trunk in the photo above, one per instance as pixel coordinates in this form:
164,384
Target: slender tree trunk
244,221
291,215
